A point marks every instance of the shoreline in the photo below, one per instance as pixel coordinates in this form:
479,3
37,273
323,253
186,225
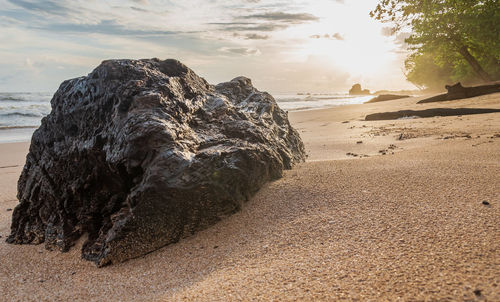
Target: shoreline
407,225
16,134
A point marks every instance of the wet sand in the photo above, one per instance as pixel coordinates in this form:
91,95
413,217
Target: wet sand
351,223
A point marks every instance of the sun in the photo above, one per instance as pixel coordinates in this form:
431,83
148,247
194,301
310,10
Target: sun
347,38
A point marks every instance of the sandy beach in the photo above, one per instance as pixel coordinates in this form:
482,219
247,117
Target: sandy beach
381,210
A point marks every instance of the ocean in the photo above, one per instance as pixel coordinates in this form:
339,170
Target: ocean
21,113
310,101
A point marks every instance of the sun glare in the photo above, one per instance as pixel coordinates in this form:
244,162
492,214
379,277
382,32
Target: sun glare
346,39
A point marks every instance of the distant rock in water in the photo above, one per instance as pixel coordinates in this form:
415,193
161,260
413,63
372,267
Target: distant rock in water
356,90
141,153
387,97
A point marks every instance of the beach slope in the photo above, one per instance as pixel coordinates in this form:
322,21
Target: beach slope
406,208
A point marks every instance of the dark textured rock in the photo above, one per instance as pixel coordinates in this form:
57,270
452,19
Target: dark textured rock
141,153
356,90
457,91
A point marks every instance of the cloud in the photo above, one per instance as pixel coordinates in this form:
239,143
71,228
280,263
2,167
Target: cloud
283,17
256,37
272,21
7,21
110,27
335,36
139,9
245,51
251,36
5,79
34,66
232,23
48,7
219,39
28,63
254,27
68,16
31,13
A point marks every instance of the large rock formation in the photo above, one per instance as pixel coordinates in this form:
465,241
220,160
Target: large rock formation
141,153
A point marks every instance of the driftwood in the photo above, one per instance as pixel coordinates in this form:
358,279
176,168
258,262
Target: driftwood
457,91
427,113
387,97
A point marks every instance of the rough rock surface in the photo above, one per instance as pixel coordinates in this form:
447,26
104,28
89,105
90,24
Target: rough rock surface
141,153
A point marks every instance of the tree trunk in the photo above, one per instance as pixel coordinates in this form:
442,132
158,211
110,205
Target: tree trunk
474,64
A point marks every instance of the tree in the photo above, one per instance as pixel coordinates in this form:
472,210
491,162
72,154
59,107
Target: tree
426,71
463,35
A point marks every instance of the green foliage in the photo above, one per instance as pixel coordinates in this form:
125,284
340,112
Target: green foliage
451,40
425,72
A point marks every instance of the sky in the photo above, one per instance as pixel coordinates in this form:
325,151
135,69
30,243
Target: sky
287,46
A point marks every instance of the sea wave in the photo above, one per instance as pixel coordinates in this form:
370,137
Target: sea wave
42,106
311,98
25,97
26,110
17,127
23,109
25,114
300,102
